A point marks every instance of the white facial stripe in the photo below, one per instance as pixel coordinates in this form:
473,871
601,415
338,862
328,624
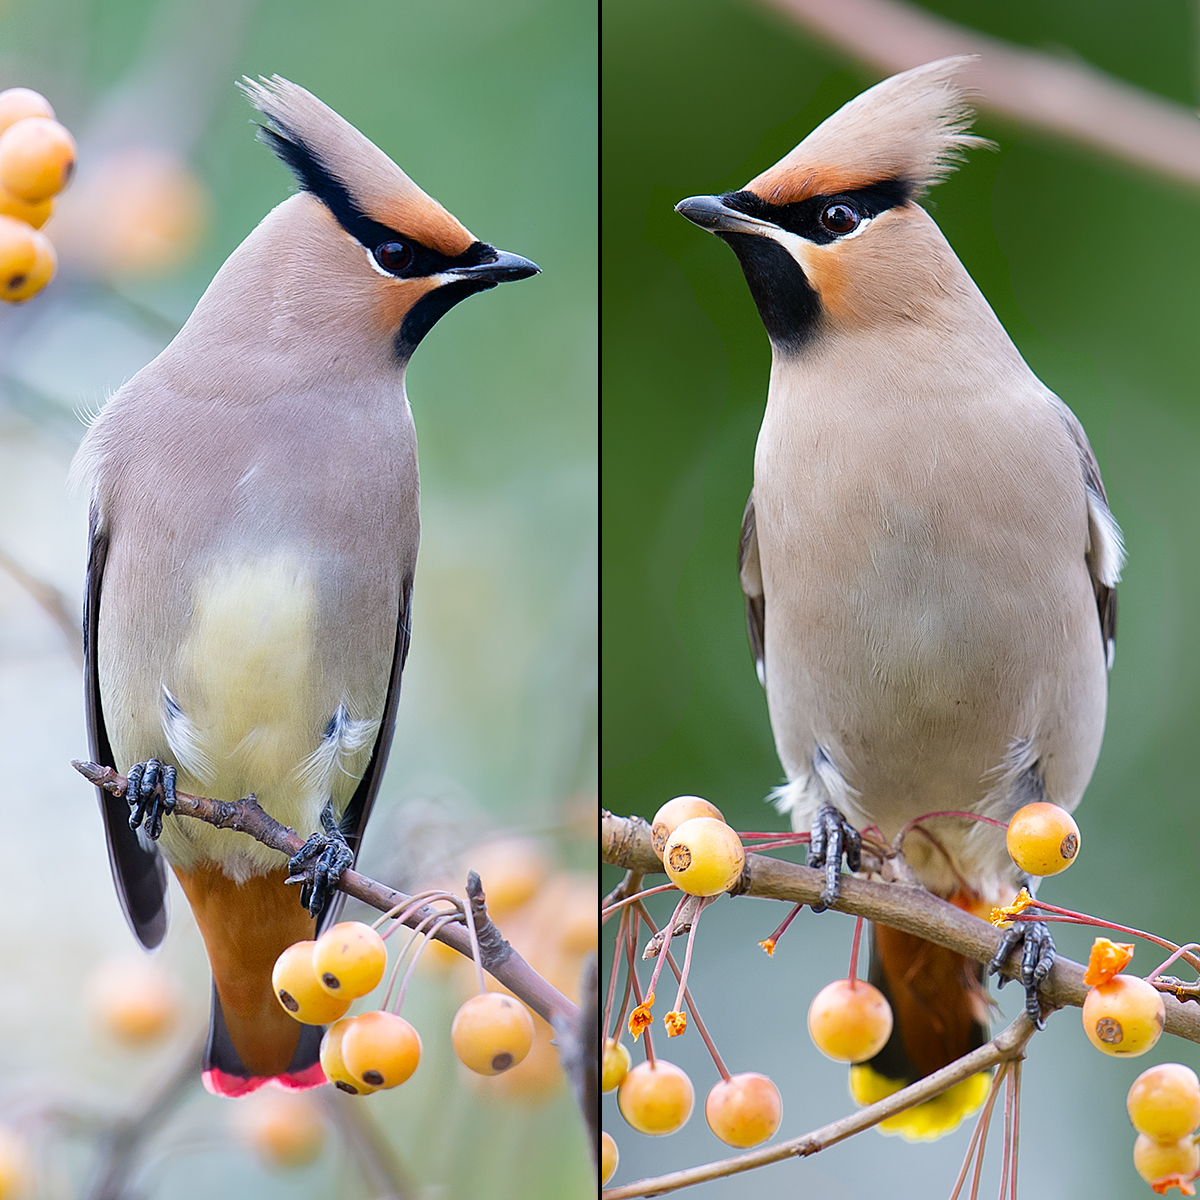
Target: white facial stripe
376,267
797,246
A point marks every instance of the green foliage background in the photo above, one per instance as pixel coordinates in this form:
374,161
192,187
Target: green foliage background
491,107
1092,267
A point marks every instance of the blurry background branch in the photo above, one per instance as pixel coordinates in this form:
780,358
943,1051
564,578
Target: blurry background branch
625,842
52,602
1071,99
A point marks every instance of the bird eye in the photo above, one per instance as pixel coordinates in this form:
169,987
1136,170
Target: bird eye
839,219
394,257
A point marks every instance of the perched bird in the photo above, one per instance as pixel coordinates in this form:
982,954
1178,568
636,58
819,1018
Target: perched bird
254,532
928,556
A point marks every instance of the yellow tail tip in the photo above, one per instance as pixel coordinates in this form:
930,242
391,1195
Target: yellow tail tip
924,1122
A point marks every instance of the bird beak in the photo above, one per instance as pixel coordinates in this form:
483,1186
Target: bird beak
711,213
502,268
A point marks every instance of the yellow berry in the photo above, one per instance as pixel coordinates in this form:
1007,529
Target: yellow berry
17,103
511,870
536,1077
37,157
284,1128
744,1110
850,1022
1043,839
16,1166
34,215
134,1000
27,260
617,1062
1124,1016
381,1049
609,1157
334,1065
1164,1102
491,1033
656,1099
299,990
1155,1161
674,813
578,919
349,959
703,856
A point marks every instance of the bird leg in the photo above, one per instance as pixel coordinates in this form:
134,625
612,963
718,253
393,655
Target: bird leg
150,794
1036,961
318,864
833,836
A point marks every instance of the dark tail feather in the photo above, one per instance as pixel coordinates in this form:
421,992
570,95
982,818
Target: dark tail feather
226,1075
939,1009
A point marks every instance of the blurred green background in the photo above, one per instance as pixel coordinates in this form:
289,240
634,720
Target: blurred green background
1093,268
492,109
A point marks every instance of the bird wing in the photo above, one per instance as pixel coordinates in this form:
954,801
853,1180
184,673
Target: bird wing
138,872
354,820
1105,553
750,573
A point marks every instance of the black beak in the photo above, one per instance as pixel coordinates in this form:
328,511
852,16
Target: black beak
711,213
501,267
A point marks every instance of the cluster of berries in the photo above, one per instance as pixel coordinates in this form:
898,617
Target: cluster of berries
37,159
317,981
1164,1106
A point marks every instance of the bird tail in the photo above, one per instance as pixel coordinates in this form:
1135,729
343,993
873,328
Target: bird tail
940,1008
226,1075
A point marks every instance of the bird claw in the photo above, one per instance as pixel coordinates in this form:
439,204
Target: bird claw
1036,960
832,837
318,864
150,794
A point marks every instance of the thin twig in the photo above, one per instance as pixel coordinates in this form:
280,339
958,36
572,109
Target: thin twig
51,601
1002,1048
976,1134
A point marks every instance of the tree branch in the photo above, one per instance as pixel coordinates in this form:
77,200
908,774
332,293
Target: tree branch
500,960
1007,1045
625,842
1070,99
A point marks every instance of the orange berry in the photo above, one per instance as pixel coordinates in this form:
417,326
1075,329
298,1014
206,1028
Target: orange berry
349,959
744,1110
1124,1016
703,857
850,1023
1043,839
16,1166
27,260
491,1033
299,990
1157,1161
674,813
34,215
134,1000
284,1128
37,157
334,1065
17,103
511,870
609,1157
616,1064
381,1049
1164,1102
656,1099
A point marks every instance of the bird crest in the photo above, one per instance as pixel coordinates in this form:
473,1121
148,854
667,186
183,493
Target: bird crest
911,128
362,187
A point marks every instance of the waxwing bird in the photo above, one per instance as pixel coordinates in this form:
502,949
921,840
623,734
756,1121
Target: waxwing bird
254,534
928,556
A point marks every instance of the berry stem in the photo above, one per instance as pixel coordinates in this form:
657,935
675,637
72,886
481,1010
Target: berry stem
980,1125
853,975
687,954
400,912
786,922
667,936
1016,1138
772,834
618,944
408,945
687,995
637,995
612,908
412,966
898,840
1164,965
630,947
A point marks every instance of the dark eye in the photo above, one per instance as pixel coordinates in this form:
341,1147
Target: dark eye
839,219
394,257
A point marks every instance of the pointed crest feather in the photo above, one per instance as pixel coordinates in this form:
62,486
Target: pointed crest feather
346,170
912,126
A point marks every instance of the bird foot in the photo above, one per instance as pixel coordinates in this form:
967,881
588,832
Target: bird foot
832,837
1036,960
150,794
318,864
